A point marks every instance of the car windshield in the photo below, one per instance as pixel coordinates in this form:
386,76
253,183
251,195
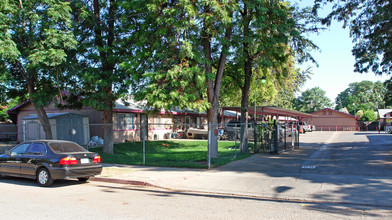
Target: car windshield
65,147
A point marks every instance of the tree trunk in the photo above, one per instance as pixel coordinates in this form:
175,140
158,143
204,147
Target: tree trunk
213,144
108,67
40,110
108,130
211,94
213,89
43,119
244,136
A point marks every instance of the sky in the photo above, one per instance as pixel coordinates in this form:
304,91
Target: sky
335,60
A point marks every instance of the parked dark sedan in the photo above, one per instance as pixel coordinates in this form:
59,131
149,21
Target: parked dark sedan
49,160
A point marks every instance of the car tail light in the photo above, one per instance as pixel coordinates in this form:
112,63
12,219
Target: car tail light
97,159
68,161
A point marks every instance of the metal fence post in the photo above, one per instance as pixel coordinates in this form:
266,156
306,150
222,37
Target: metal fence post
235,145
144,152
209,144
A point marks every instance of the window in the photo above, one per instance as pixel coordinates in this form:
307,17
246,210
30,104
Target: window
158,122
125,121
199,122
37,149
20,150
65,147
187,122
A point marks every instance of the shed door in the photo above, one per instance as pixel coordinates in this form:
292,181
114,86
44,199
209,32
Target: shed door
70,128
33,130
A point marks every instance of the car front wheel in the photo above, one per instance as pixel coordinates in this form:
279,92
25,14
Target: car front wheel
43,177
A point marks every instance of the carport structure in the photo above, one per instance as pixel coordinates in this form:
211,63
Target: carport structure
277,136
270,111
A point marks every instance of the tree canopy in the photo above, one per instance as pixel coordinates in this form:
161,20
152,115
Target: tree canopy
362,95
312,100
370,24
96,78
34,38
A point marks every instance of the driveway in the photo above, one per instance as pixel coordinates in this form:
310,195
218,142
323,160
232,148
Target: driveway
348,167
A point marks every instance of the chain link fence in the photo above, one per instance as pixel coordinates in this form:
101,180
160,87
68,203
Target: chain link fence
262,137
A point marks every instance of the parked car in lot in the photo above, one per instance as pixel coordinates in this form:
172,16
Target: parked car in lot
290,129
234,127
49,160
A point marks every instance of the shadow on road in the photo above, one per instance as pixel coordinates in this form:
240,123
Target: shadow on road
331,208
33,183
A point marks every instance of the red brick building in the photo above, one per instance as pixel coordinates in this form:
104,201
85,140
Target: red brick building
331,120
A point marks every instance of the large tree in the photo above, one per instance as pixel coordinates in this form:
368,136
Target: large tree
268,34
97,79
278,90
312,100
34,37
180,52
370,24
362,95
182,49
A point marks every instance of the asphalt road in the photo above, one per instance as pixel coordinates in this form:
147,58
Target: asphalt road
22,199
350,168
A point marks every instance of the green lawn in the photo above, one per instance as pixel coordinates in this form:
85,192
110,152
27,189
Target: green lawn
191,154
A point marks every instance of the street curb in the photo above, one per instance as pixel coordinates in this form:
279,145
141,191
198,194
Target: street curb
122,181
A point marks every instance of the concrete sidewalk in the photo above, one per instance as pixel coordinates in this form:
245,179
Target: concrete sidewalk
279,177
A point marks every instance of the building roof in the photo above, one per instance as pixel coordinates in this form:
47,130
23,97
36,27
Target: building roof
128,104
270,110
15,108
50,115
349,115
383,112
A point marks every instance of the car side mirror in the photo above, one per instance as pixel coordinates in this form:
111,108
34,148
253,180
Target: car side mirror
7,152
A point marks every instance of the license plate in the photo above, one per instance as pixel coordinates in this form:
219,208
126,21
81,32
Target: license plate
84,160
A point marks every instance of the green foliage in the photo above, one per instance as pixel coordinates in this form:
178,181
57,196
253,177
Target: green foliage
176,89
312,100
272,55
388,93
362,96
3,112
359,113
168,62
96,78
34,36
370,24
192,154
369,115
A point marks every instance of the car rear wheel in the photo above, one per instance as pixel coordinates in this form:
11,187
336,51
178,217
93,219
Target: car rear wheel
44,178
83,179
